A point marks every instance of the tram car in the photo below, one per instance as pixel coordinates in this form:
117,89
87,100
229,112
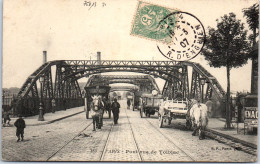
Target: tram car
171,109
96,90
149,104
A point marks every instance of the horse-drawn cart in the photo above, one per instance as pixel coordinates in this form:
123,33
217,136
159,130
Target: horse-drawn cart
102,91
149,104
171,109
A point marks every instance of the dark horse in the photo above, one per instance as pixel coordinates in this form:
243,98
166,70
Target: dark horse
96,108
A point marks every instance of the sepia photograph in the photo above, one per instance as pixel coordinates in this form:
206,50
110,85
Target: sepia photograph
130,81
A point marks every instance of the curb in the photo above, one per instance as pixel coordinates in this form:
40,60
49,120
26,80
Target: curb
248,144
58,119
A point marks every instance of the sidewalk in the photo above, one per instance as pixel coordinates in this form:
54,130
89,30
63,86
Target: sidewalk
51,117
216,126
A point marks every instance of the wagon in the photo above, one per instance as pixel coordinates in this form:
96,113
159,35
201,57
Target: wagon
95,90
171,109
149,104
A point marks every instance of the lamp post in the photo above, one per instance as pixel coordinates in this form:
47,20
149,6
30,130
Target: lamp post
202,82
41,118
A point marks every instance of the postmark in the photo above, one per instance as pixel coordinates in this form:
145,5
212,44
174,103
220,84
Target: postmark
146,22
187,34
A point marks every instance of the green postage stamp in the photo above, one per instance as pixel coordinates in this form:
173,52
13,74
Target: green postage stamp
146,23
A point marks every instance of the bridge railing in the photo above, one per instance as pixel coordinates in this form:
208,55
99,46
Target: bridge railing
30,106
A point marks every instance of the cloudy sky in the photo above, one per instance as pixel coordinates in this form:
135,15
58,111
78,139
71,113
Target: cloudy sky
68,30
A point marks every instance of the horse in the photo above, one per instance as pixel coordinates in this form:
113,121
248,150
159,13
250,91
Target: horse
96,108
198,116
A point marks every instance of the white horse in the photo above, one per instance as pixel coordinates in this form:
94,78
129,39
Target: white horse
198,114
96,107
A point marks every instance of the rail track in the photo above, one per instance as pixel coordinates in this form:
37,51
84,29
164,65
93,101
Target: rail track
68,142
103,153
101,156
170,140
240,146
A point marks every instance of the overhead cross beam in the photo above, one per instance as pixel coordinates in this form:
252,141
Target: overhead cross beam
142,81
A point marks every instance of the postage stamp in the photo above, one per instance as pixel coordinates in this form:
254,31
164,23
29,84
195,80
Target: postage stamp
146,22
187,34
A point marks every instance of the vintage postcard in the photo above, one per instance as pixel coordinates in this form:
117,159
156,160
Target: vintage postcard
130,81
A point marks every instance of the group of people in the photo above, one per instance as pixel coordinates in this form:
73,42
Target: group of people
115,107
107,106
19,124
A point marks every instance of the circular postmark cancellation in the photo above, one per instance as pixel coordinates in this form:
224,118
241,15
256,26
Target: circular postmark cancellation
187,35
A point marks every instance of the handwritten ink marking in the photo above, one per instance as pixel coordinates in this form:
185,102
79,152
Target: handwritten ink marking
93,4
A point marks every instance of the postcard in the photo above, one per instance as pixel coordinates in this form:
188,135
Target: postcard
130,81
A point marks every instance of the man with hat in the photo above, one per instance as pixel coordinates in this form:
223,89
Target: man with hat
115,109
20,125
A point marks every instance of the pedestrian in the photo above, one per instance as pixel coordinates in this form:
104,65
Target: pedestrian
20,125
115,109
128,103
6,118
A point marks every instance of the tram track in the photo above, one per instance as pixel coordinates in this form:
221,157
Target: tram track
170,140
101,156
68,142
229,141
105,146
136,145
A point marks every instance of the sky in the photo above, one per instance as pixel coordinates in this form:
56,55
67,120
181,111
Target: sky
68,30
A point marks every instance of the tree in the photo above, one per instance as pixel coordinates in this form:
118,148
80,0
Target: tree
252,18
226,46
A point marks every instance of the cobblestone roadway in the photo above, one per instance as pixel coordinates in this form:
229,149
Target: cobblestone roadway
199,150
42,141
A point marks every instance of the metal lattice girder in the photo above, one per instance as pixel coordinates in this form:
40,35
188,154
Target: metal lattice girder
195,85
76,69
143,81
74,89
47,85
208,92
164,91
162,69
34,91
169,92
185,83
58,91
216,87
176,87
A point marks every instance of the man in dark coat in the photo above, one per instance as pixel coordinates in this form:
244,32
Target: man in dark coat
20,125
115,109
128,103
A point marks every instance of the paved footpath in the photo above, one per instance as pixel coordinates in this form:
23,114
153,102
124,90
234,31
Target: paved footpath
133,139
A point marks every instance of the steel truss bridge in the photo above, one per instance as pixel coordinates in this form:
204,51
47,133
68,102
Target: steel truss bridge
62,85
145,83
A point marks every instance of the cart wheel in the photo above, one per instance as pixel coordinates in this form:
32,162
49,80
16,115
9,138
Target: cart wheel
160,121
87,114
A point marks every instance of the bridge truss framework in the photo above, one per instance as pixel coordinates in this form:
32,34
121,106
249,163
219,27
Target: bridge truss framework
66,92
